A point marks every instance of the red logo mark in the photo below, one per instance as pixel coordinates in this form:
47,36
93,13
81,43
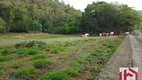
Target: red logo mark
128,74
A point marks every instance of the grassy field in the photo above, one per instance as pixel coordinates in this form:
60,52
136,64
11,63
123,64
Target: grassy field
52,57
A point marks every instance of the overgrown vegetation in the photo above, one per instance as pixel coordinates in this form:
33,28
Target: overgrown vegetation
5,58
40,64
26,73
24,62
39,56
29,44
92,59
55,76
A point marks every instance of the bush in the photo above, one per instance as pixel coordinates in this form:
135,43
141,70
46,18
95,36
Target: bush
17,64
97,52
55,76
56,48
5,58
5,51
32,52
27,73
30,44
43,63
111,45
21,51
39,56
66,44
71,72
2,23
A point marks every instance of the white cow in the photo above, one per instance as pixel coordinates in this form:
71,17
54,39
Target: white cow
111,33
86,34
127,33
100,34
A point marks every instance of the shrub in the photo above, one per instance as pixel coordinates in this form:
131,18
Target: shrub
5,58
27,73
32,52
66,44
30,44
71,72
17,64
3,69
49,55
21,51
97,52
90,79
39,56
73,64
56,48
5,51
111,45
55,76
43,63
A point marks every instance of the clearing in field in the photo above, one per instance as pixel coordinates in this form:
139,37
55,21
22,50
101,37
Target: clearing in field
50,57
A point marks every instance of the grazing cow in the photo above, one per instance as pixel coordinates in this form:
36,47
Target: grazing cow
117,34
126,33
86,34
83,35
111,33
100,34
105,34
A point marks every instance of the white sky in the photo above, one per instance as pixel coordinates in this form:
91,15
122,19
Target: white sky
81,4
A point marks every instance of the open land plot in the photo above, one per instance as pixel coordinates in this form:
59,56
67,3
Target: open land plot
63,57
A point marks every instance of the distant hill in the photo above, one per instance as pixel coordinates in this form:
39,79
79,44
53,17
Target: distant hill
140,12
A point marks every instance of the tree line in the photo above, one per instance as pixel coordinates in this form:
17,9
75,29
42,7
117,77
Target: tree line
53,16
49,16
107,17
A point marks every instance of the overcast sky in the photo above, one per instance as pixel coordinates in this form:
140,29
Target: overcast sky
81,4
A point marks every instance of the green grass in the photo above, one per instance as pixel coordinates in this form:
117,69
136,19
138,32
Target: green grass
71,72
32,51
39,56
33,56
17,64
97,52
40,64
55,76
6,58
26,73
7,40
92,59
5,52
21,51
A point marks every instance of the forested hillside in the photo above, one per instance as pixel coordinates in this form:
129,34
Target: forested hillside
53,16
49,16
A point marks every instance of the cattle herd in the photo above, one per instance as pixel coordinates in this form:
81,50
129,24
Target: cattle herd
108,34
114,34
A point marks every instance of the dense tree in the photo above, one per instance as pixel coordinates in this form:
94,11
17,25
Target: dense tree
53,16
105,17
2,23
49,16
